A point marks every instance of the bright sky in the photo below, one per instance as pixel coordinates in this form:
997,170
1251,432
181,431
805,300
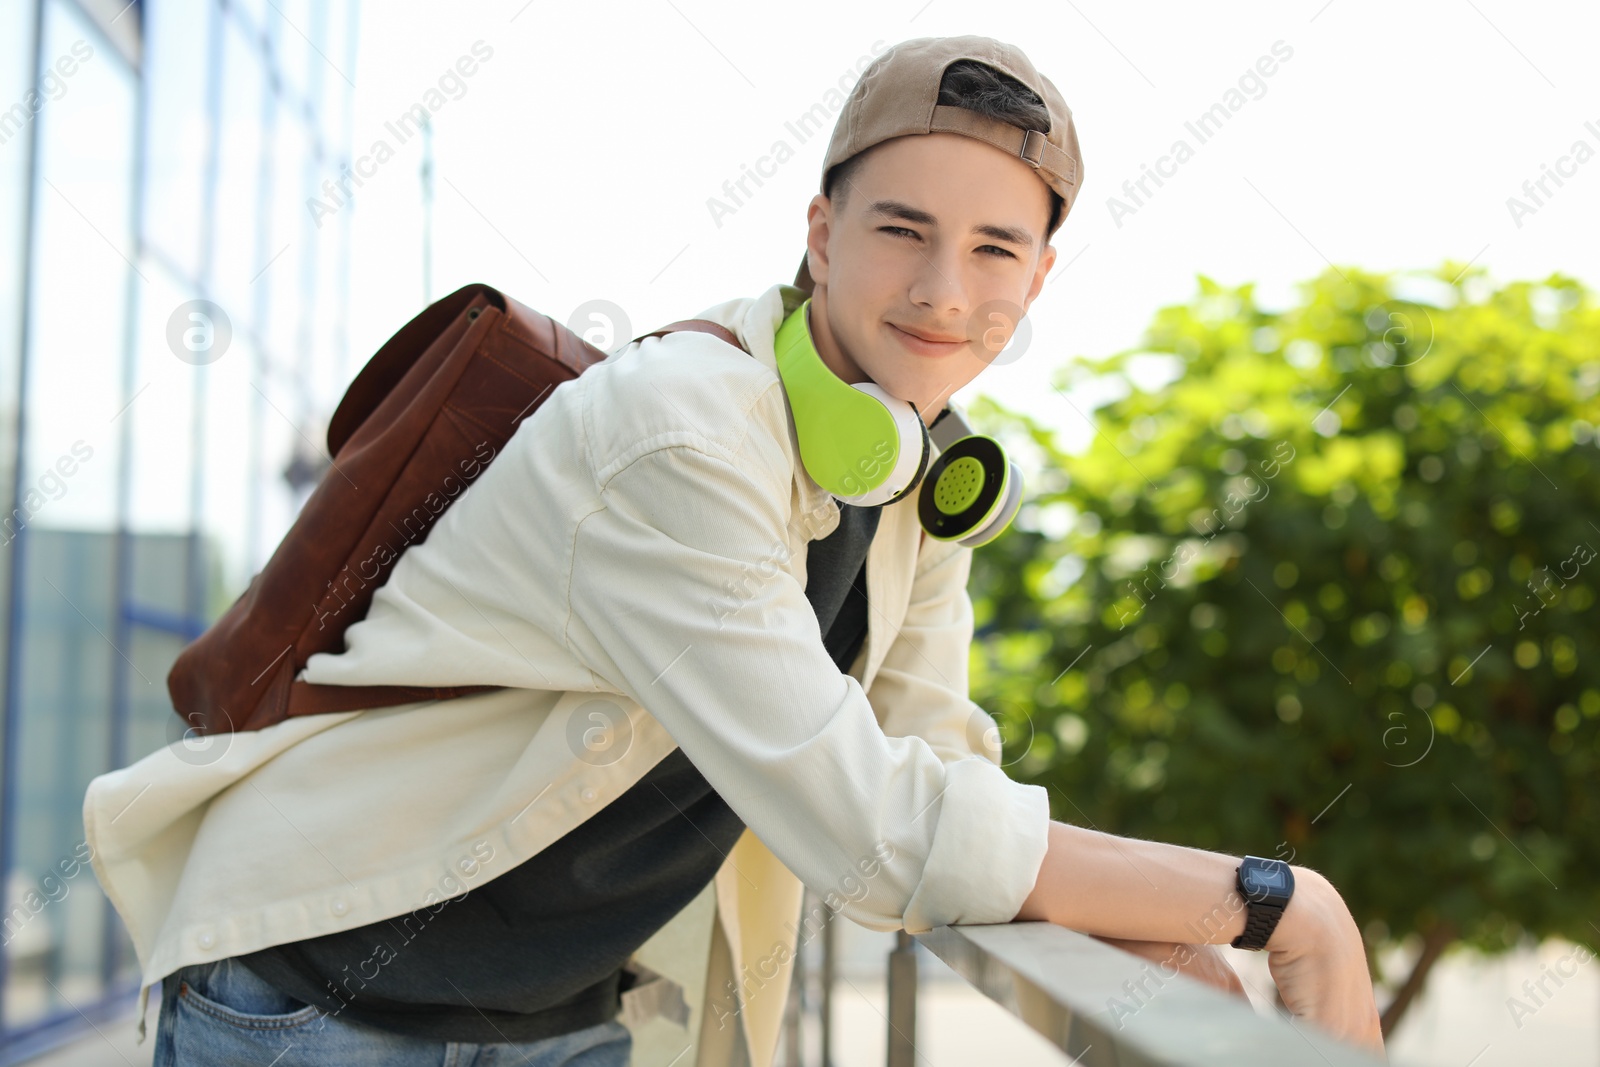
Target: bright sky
577,163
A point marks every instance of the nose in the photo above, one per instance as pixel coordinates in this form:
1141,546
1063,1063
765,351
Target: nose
937,285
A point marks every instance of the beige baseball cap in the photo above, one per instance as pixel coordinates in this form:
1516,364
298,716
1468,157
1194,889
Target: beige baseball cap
898,94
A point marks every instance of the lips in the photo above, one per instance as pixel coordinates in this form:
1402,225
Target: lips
926,344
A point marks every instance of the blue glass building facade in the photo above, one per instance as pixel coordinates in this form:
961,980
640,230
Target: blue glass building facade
171,336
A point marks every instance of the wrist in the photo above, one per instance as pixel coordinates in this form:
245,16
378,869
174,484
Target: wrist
1305,917
1267,887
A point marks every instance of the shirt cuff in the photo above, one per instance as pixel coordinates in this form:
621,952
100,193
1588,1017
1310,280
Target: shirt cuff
988,846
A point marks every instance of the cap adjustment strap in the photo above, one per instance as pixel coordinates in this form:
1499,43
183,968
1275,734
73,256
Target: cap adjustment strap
1031,146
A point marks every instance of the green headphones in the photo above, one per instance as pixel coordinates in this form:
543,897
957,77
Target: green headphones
867,447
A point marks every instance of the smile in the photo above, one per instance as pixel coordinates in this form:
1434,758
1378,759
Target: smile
922,347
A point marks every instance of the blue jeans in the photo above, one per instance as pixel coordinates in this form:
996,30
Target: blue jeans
220,1014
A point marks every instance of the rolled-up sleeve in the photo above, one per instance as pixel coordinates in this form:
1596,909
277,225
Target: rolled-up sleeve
682,598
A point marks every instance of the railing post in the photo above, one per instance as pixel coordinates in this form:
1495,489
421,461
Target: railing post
794,1011
903,1001
827,987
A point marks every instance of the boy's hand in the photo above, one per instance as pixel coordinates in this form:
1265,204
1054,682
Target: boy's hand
1205,962
1320,967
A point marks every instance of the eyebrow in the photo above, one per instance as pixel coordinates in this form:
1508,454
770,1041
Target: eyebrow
895,209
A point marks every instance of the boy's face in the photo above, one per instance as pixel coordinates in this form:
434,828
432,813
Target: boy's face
939,235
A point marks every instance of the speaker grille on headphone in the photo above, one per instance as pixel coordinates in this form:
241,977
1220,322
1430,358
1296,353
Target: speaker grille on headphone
958,486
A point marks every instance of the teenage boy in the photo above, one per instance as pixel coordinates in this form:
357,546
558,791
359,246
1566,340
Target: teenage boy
719,672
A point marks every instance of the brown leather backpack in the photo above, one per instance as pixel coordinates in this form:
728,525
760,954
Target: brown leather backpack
429,411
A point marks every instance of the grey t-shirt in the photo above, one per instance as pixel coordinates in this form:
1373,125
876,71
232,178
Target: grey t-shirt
539,950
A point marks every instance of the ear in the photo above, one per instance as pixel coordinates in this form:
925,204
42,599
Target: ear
819,221
1047,259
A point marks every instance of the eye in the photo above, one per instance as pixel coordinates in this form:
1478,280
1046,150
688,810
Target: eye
997,250
898,230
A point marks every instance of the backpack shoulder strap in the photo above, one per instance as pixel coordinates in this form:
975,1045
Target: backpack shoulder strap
716,329
308,698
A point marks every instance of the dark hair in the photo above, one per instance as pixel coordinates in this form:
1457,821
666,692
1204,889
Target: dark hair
976,87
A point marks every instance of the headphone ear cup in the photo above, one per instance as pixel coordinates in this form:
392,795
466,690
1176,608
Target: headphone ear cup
913,453
1006,512
922,464
971,493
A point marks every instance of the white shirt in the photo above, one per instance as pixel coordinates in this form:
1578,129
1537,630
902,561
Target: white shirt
639,542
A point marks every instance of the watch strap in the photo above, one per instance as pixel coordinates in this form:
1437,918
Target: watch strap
1260,920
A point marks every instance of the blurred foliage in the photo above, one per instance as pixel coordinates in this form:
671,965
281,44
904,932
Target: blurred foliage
1327,594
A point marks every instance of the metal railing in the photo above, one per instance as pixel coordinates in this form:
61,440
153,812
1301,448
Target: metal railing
1102,1006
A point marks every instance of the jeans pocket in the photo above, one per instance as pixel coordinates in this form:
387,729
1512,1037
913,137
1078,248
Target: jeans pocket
229,992
223,1015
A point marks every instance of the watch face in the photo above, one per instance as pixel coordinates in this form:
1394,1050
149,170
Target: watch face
1266,881
1258,878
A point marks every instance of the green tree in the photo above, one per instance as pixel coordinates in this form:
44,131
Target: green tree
1326,592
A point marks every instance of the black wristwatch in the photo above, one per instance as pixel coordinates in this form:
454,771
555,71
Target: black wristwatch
1266,886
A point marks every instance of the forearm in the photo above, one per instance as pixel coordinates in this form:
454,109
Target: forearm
1137,890
1162,895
